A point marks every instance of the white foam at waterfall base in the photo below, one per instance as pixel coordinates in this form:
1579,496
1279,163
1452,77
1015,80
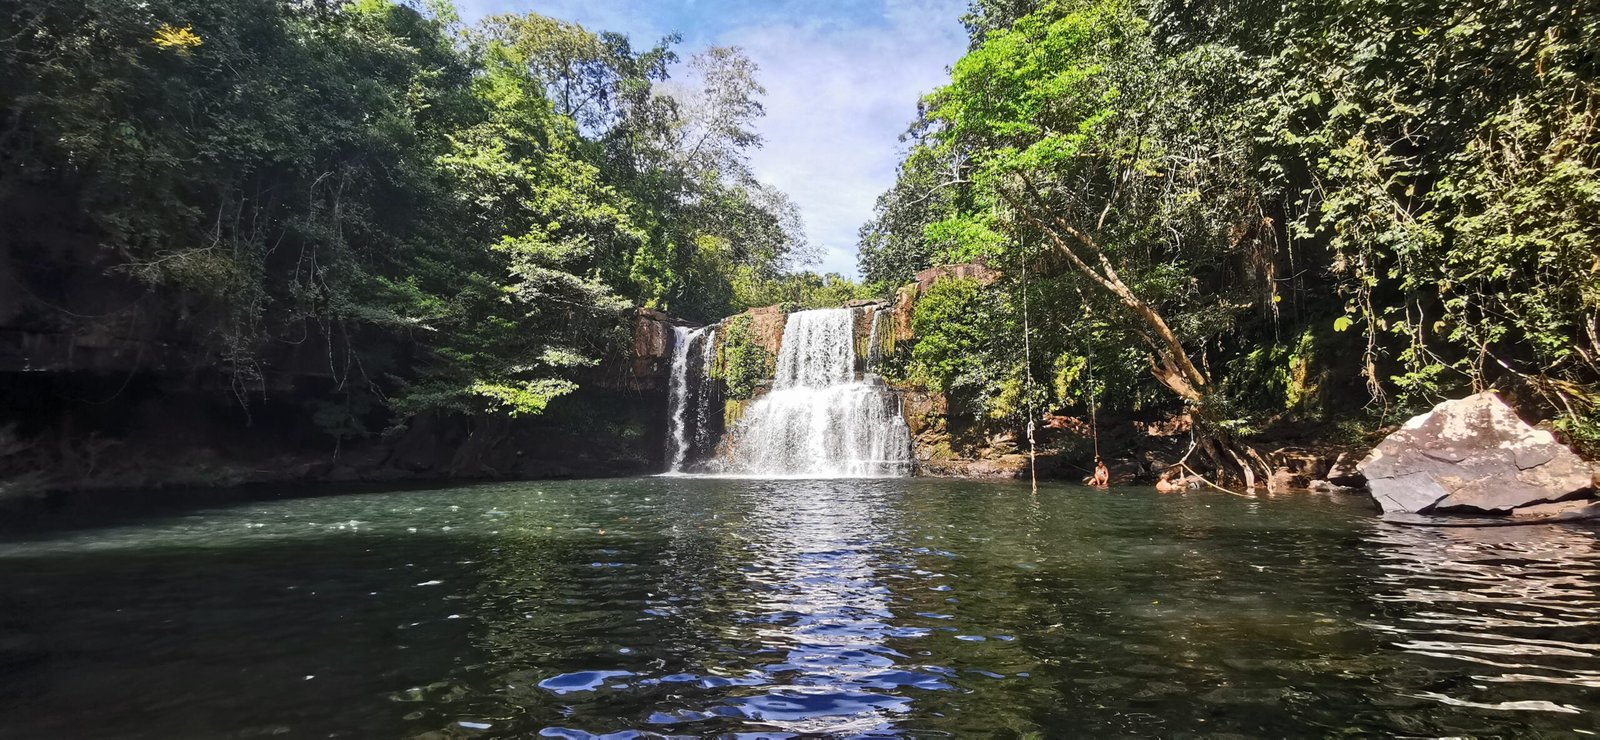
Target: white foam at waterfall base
818,421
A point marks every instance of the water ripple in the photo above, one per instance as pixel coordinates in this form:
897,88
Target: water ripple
1496,600
746,608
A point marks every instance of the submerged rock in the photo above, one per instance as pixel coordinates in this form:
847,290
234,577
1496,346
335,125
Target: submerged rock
1296,468
1344,473
1561,511
1472,455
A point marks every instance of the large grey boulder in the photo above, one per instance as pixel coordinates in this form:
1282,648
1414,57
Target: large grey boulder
1471,456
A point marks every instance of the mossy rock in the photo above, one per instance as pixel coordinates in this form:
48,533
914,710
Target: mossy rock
742,364
733,410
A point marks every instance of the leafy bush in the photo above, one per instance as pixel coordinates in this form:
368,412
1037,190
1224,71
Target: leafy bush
742,364
966,347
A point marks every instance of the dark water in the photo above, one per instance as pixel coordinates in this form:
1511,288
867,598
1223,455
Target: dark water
692,607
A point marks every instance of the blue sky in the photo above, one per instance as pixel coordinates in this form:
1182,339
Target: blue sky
843,78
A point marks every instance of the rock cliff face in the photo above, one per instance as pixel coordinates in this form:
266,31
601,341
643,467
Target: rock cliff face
651,358
766,326
905,304
83,408
971,270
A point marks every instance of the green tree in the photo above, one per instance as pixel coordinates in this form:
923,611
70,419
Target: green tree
452,219
1128,164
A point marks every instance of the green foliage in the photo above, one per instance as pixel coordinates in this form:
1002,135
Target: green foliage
458,218
1446,156
798,291
1276,380
742,364
966,347
894,245
1582,431
1077,133
524,398
1422,179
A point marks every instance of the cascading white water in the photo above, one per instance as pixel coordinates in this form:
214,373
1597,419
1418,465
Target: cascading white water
818,349
818,420
679,391
703,431
677,399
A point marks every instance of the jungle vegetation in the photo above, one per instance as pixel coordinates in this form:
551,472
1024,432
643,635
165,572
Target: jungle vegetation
1261,212
464,216
1252,212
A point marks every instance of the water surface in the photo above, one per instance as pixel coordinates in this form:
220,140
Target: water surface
685,606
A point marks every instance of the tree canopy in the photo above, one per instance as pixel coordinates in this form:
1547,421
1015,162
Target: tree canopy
1267,211
461,216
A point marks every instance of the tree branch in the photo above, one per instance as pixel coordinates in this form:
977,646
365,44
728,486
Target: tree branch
1181,376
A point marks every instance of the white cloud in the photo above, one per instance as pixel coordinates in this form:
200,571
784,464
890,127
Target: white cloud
842,76
838,97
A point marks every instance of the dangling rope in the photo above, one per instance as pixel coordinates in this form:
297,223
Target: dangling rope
1027,355
1094,419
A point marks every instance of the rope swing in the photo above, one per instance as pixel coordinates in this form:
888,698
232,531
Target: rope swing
1100,478
1027,369
1094,419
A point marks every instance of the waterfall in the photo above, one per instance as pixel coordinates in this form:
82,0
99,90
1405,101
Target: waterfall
818,420
677,399
704,438
818,349
686,391
874,349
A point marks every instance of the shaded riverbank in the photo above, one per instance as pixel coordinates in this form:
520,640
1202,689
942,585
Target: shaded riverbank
692,606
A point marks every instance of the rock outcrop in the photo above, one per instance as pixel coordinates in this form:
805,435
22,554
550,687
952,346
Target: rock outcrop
1296,468
1471,456
650,351
904,306
766,327
969,270
1344,473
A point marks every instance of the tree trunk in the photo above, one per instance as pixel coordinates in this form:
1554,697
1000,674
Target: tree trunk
1169,362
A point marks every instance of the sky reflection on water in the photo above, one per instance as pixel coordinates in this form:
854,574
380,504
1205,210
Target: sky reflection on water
682,606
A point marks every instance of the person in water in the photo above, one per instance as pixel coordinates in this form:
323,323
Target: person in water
1174,481
1101,477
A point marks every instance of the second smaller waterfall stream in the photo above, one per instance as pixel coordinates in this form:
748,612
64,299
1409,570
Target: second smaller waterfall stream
819,420
875,339
688,397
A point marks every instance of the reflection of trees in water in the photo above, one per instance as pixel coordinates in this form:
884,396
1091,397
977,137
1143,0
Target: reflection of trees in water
1513,606
580,577
820,606
510,615
693,576
1142,610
